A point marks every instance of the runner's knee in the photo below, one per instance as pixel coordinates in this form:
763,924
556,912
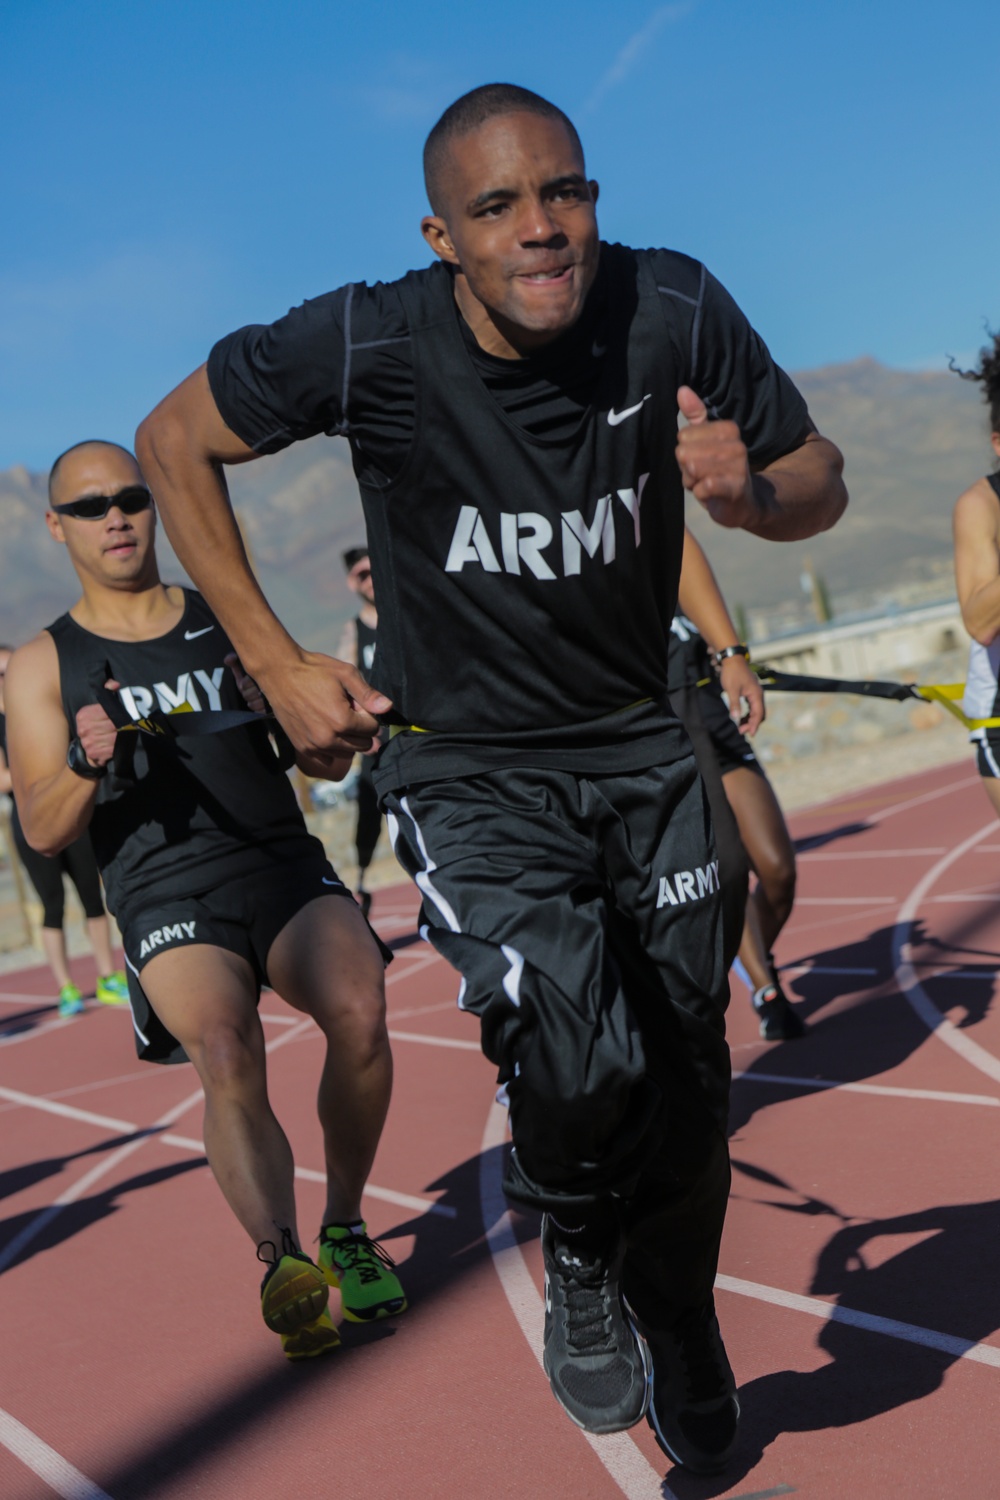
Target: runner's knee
227,1056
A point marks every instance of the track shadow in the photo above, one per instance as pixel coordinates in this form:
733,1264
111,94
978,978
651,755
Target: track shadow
444,1249
829,836
76,1217
872,1033
25,1020
16,1179
932,1269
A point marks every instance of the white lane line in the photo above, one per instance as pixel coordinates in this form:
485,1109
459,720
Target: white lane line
885,1090
631,1472
846,900
421,961
45,1463
68,1111
976,897
188,1143
830,1312
422,1010
434,1041
45,1216
810,854
942,791
906,977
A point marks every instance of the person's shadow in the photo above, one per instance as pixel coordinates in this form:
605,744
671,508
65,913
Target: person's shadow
932,1270
869,1027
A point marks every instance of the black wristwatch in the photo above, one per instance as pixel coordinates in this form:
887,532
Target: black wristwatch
76,759
727,651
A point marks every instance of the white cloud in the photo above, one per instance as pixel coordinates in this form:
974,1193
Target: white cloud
664,15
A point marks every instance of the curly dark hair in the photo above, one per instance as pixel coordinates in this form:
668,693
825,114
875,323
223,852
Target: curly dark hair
988,374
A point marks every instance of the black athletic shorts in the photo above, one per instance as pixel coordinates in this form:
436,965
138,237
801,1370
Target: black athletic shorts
988,757
242,916
732,749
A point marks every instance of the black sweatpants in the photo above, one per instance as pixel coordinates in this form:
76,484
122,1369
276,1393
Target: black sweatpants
585,915
46,875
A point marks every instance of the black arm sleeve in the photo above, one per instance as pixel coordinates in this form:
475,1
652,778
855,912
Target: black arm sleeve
277,383
732,371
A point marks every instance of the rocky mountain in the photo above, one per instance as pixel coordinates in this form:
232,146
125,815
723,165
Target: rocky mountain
913,442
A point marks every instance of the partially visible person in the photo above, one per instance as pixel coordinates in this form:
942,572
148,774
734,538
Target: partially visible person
357,645
977,579
707,656
46,875
215,881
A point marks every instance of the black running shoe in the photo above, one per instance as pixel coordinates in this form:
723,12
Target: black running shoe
693,1411
779,1020
596,1361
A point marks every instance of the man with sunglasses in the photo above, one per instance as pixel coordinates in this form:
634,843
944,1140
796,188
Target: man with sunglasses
512,412
215,881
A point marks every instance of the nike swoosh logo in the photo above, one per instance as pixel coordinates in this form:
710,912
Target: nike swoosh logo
190,635
614,417
330,882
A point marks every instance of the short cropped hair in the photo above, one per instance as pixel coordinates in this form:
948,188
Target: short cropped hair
84,443
353,556
471,111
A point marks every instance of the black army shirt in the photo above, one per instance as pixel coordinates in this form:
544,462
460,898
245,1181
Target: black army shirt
525,517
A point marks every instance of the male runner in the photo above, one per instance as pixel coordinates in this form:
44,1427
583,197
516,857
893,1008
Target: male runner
977,577
512,413
357,645
214,880
706,659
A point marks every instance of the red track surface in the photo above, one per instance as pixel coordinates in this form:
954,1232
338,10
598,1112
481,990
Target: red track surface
859,1293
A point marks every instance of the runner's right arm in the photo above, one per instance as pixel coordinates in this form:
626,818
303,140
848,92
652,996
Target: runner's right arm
324,705
977,561
54,804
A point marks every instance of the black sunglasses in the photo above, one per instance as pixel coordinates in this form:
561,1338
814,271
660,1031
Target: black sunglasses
130,501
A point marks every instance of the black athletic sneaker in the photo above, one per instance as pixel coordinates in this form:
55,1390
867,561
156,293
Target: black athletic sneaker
779,1020
597,1363
693,1411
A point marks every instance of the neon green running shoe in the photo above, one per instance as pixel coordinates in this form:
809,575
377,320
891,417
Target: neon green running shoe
364,1272
112,989
70,1000
293,1300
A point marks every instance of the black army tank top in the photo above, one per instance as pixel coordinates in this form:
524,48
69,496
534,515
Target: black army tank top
195,811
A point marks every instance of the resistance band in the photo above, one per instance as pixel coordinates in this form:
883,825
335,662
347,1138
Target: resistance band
947,694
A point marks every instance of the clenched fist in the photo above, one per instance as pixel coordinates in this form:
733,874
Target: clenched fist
96,732
713,463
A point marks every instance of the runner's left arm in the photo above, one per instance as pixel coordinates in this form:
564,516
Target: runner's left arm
700,598
977,562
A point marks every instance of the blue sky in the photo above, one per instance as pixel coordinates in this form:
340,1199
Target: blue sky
173,170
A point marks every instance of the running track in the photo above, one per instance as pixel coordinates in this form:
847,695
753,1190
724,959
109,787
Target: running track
859,1291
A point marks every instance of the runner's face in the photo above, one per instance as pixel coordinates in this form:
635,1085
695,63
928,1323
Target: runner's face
521,226
118,550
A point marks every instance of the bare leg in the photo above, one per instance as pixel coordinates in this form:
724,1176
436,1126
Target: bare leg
766,839
208,998
326,963
54,948
99,933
